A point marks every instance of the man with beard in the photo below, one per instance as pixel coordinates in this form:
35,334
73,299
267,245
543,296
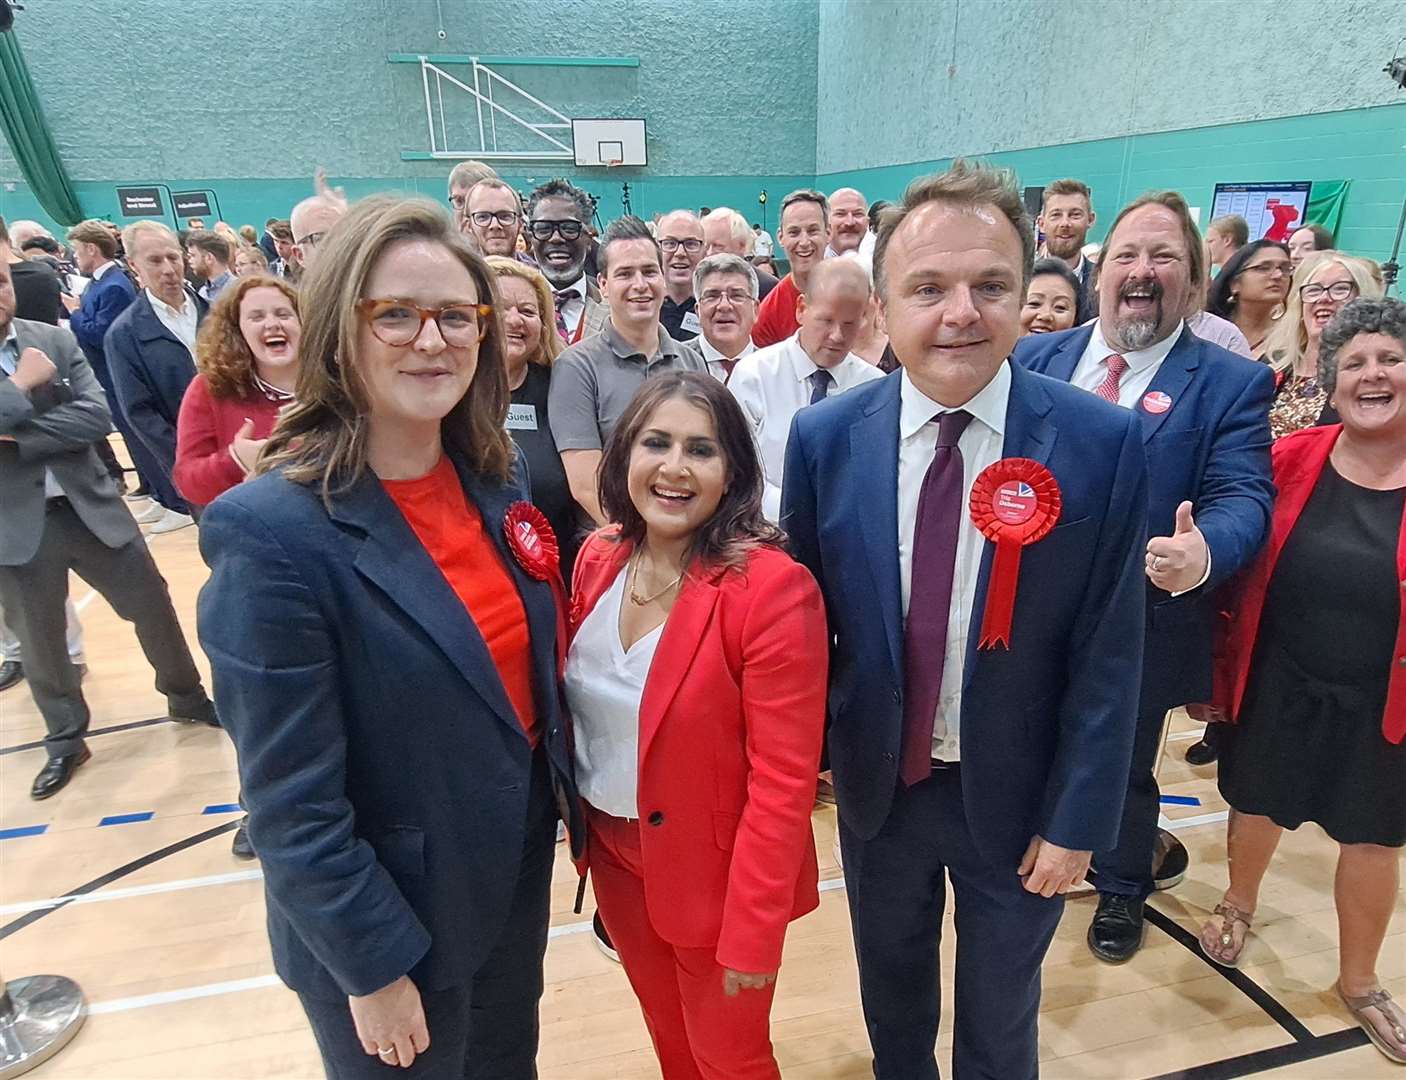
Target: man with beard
557,238
1066,216
849,225
805,218
1205,424
680,236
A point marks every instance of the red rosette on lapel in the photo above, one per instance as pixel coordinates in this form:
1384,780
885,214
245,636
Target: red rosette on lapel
534,546
1014,502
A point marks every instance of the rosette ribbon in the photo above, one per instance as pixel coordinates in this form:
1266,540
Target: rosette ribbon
1014,502
534,546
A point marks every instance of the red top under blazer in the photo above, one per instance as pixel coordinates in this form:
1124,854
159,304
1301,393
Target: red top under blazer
1298,461
731,724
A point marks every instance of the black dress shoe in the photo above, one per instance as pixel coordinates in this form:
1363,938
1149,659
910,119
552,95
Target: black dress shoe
241,847
1169,861
11,673
1115,935
602,939
56,773
198,713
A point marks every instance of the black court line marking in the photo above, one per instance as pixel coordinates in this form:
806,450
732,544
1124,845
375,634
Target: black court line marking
1276,1057
29,918
87,735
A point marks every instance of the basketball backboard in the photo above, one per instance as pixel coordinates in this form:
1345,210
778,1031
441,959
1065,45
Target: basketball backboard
609,142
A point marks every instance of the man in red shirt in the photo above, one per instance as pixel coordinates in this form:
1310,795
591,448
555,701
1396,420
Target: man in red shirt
804,229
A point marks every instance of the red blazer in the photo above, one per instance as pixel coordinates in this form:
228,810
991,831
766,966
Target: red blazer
1298,460
206,427
731,724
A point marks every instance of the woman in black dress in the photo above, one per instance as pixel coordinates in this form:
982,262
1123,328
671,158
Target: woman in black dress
1315,666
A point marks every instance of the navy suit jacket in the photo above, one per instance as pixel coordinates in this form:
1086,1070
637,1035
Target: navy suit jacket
1046,726
385,772
102,302
1212,448
150,370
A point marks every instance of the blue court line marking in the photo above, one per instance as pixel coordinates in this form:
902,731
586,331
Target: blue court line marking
222,808
22,830
1181,800
127,819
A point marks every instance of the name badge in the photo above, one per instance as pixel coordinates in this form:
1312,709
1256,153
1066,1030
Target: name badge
522,417
690,322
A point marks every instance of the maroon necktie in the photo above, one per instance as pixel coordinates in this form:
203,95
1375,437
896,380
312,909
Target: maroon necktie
930,596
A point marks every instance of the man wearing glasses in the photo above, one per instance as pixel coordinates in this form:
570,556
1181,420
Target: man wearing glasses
680,235
726,288
461,181
557,214
311,219
494,215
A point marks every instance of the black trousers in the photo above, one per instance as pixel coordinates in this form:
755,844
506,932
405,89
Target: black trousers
897,893
33,596
487,1030
1126,870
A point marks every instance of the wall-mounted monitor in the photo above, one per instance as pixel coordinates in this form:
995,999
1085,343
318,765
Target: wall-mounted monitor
1273,210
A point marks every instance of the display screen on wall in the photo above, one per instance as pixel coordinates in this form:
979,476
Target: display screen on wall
191,204
1272,210
140,202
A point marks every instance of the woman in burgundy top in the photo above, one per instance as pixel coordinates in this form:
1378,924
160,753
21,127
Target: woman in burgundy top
247,354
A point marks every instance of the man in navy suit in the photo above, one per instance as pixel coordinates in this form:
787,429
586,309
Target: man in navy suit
1002,767
1204,416
151,354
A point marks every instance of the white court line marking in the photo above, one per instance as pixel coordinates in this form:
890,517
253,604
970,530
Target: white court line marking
1183,736
1191,822
136,890
190,993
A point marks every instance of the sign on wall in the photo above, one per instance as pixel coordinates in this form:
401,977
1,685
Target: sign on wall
191,204
1272,210
140,202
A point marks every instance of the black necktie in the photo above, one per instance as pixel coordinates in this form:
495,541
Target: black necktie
820,383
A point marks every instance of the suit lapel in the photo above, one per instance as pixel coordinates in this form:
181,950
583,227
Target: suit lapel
1172,379
1066,357
683,633
873,447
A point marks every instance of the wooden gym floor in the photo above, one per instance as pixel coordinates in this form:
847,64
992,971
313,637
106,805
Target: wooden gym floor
164,929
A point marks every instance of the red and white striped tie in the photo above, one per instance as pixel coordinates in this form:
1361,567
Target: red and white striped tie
1108,389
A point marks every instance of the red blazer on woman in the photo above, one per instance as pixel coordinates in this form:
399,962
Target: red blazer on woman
1298,460
204,431
731,725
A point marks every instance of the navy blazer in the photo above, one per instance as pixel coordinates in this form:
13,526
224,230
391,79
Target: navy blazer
385,772
1046,726
102,301
150,370
1212,448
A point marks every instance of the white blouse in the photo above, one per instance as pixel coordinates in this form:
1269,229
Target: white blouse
604,684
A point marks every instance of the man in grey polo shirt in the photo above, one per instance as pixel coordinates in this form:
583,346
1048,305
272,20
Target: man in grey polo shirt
593,380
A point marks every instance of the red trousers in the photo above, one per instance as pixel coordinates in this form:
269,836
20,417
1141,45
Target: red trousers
699,1033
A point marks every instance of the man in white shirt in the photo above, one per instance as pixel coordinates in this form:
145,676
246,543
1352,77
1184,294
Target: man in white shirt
763,246
725,286
849,222
775,383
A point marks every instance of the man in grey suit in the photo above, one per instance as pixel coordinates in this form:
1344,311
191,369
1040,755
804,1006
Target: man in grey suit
60,511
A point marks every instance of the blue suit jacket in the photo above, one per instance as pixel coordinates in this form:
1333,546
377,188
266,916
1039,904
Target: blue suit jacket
1046,726
102,302
1212,448
384,770
150,370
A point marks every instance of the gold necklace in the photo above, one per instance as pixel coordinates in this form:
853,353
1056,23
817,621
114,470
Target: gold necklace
636,598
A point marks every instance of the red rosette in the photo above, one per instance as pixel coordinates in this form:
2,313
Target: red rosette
1014,502
534,546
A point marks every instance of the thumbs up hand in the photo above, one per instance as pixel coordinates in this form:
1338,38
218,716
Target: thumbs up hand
1178,562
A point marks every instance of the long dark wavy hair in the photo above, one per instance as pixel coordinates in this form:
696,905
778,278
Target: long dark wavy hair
738,524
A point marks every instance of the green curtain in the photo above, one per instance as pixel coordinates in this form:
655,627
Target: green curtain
1325,207
30,139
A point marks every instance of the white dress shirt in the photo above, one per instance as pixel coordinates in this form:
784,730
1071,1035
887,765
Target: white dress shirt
574,309
772,385
715,358
604,685
182,323
981,445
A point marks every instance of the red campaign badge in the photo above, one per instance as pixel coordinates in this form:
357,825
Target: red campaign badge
1156,402
534,546
1014,502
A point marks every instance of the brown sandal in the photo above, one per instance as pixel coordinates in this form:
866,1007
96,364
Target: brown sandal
1218,943
1380,1000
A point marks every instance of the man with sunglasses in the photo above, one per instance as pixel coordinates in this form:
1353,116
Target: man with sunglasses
681,241
558,240
493,213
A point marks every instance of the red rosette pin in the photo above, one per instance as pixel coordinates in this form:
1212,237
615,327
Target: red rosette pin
1014,502
532,542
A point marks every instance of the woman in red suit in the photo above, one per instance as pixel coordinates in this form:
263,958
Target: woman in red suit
1314,669
247,354
696,679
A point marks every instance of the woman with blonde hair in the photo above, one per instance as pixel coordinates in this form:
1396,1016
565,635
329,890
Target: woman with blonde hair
382,621
249,260
1323,284
530,344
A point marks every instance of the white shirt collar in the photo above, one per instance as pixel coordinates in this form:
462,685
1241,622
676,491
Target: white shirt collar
1140,360
161,305
578,287
987,405
713,355
103,269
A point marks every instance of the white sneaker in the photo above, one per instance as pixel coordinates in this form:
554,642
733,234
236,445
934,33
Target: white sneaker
137,496
152,514
171,521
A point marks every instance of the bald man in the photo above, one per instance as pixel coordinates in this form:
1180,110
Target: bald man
311,219
775,383
726,232
849,223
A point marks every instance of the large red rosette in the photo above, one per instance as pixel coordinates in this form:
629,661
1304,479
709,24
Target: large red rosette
1014,502
534,546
